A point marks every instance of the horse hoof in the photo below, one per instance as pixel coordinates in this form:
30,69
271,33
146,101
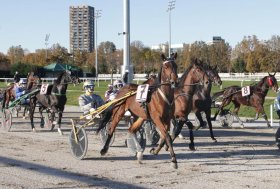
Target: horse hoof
23,117
181,136
103,152
166,148
152,151
34,130
191,147
139,156
59,131
214,140
174,165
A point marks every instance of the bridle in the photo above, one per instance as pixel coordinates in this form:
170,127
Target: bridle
169,80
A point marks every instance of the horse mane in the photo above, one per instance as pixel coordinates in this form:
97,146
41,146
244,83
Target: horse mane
185,74
58,80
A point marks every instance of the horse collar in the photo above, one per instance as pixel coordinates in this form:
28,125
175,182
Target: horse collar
164,97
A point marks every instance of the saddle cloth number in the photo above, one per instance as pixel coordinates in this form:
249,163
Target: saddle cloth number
245,91
44,89
142,93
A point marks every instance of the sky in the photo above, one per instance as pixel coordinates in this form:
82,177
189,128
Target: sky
26,22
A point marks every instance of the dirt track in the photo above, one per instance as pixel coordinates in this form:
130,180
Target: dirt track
242,158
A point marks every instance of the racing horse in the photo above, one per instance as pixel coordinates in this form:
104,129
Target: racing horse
193,77
9,93
202,97
254,99
159,108
54,102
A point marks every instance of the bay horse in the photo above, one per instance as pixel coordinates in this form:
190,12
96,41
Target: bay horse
202,97
159,108
255,99
193,77
53,102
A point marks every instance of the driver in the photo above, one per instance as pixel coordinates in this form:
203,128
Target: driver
89,101
20,90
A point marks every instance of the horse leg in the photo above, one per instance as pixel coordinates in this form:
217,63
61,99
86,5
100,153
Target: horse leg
117,115
235,113
132,132
42,122
32,110
60,112
208,118
200,119
163,128
261,110
178,125
24,110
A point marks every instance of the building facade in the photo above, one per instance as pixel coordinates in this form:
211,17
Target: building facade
81,28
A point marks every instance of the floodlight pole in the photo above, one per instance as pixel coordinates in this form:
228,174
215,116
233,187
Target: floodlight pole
171,6
96,16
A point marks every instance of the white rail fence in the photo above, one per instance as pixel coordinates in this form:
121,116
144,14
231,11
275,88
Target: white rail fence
141,77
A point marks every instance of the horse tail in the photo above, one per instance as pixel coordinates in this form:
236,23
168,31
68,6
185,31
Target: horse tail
4,99
107,116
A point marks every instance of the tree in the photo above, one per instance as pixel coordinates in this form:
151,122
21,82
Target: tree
15,54
59,54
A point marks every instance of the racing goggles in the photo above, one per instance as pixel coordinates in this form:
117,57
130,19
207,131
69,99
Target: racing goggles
91,87
119,86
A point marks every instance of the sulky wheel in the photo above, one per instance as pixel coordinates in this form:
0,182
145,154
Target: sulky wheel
226,119
277,137
78,149
103,133
6,119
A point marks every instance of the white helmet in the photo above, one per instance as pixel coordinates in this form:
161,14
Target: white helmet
89,86
22,82
118,84
110,87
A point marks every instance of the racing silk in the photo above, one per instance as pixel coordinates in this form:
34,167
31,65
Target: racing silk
112,95
87,102
19,92
107,95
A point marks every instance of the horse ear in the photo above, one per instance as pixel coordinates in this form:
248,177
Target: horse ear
269,74
174,56
163,58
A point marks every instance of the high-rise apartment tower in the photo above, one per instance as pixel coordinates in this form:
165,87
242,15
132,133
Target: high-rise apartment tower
81,28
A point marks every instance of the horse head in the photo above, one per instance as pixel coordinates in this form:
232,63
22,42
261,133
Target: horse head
64,78
213,75
272,81
75,80
32,80
168,72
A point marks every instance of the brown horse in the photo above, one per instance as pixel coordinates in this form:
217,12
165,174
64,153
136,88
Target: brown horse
255,99
202,99
193,77
159,107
